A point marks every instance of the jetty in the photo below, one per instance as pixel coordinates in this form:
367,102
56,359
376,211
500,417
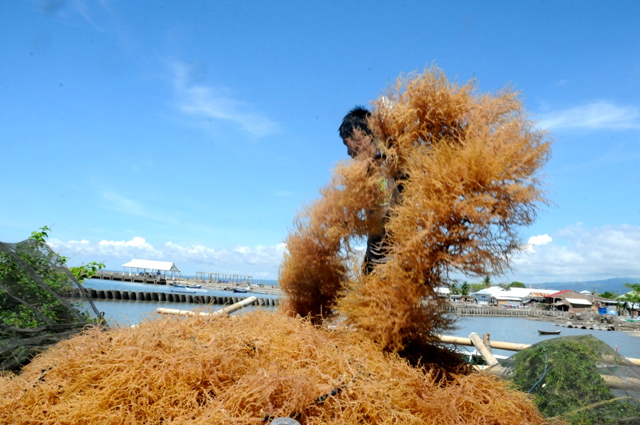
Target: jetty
491,311
174,297
134,277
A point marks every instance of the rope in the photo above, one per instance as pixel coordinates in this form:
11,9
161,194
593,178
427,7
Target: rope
544,372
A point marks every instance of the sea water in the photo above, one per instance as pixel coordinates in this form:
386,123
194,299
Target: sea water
506,329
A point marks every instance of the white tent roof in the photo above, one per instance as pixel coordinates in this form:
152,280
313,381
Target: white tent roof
578,301
152,265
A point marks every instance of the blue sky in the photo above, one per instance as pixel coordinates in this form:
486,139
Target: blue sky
194,131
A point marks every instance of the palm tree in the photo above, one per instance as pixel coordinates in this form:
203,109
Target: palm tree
486,281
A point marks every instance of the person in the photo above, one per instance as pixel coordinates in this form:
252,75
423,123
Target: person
361,145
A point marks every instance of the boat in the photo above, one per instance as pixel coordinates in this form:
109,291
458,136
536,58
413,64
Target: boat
194,286
241,290
183,291
177,285
548,332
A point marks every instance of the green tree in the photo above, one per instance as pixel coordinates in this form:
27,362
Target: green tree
486,281
464,289
516,284
455,290
632,296
609,295
34,312
32,278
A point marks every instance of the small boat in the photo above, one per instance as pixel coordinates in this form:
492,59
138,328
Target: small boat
194,286
177,285
182,291
241,290
548,332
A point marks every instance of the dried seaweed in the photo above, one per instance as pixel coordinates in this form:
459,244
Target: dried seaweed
246,369
452,179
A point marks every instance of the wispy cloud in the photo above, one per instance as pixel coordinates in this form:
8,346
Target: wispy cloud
599,115
201,101
259,261
126,205
130,206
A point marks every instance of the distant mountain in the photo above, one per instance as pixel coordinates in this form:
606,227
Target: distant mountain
612,285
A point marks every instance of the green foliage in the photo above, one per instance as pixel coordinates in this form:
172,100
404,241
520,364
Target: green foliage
464,289
516,284
32,273
475,287
609,295
486,281
634,295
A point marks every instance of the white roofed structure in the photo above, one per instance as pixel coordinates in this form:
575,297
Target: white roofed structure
150,266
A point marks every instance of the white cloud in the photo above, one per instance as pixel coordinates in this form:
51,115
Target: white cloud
600,115
136,242
540,240
537,240
200,101
579,254
260,261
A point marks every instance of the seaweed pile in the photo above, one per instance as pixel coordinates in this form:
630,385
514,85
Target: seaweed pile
567,376
451,177
246,370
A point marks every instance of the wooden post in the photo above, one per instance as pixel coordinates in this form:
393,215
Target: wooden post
486,341
226,310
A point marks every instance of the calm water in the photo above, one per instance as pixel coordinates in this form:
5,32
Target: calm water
501,328
511,329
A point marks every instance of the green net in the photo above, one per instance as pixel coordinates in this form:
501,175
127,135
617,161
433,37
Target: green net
579,379
33,310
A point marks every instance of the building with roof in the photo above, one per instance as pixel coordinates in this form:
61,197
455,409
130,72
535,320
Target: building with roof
152,268
483,296
569,300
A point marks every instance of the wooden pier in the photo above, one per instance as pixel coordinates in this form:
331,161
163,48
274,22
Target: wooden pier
491,311
134,278
174,297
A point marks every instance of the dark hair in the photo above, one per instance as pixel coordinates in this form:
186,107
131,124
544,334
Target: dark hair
356,118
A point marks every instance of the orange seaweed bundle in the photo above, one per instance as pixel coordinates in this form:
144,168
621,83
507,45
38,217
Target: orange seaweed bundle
460,172
246,370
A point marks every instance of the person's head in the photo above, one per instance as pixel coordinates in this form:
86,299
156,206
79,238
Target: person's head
355,132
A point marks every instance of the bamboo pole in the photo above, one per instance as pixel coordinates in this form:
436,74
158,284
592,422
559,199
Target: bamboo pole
509,346
486,354
226,310
500,345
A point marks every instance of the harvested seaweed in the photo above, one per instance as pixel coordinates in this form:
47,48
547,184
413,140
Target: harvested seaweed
248,369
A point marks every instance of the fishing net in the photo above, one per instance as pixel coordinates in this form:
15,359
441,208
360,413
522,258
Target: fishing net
578,378
249,369
33,310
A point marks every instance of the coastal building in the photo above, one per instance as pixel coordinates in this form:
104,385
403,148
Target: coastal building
569,300
483,297
443,292
152,268
512,297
